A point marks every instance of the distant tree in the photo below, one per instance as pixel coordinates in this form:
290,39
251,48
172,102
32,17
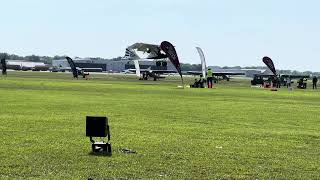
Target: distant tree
285,71
46,59
236,67
14,57
214,67
255,67
56,57
185,67
190,67
97,58
33,58
3,55
307,72
196,67
296,72
119,58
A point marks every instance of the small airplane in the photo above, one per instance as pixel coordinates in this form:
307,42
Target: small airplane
225,75
144,74
154,52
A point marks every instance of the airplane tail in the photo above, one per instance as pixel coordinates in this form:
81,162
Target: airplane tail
203,62
130,55
137,66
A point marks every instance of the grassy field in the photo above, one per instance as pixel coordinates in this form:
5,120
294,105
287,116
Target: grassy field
230,132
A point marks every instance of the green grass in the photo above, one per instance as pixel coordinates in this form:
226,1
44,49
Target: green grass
230,132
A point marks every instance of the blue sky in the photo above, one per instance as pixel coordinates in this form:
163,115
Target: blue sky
230,32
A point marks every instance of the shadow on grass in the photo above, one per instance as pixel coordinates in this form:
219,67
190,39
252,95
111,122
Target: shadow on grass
103,154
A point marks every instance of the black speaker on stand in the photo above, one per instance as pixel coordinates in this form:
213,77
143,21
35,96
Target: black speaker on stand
98,127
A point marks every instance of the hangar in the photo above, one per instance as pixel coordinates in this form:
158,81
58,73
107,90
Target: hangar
109,65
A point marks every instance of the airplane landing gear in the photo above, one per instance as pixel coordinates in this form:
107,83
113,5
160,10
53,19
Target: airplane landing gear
144,77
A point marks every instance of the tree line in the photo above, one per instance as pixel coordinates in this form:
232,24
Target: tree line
46,59
34,58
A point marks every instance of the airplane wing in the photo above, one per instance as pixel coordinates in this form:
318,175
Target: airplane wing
153,51
143,47
150,71
194,72
163,71
295,76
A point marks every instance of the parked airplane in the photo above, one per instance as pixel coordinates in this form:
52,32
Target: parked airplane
145,74
219,75
154,52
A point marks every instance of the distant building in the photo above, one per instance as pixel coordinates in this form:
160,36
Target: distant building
252,72
112,66
21,64
25,63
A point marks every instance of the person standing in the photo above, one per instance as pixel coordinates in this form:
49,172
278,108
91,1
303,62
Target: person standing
314,82
288,82
279,81
201,81
209,78
305,80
